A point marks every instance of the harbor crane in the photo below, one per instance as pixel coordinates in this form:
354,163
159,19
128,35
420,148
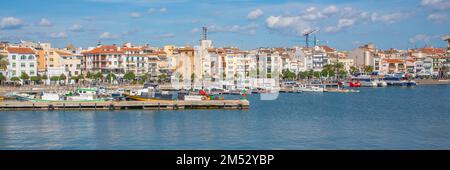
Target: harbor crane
306,34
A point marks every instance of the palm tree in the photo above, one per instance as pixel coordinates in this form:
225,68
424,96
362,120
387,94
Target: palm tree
3,63
368,69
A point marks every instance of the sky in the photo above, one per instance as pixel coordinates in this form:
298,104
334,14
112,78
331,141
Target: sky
247,24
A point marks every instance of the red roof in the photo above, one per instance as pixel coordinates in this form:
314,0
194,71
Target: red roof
393,61
328,49
131,49
105,49
433,50
20,50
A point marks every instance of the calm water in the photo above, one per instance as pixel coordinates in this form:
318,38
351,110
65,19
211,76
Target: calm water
378,118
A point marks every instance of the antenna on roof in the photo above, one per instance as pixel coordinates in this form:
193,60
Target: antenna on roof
204,33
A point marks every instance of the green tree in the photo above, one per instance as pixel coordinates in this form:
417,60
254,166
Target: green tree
288,75
317,74
89,75
329,70
368,69
193,78
54,78
162,78
3,62
36,79
15,79
129,76
303,74
2,78
44,77
110,77
353,70
24,76
62,77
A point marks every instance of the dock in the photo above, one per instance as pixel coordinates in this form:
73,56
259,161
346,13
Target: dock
125,105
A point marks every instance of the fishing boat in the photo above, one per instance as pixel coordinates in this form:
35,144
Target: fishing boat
311,88
150,92
397,81
80,95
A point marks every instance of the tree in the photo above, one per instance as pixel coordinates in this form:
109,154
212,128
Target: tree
3,63
36,79
15,79
288,75
193,78
368,69
317,74
24,76
89,75
110,77
2,78
329,70
98,76
54,78
62,77
303,74
162,78
129,76
353,70
44,77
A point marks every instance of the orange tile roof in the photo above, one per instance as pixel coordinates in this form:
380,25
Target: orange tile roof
63,53
393,61
433,50
105,49
131,49
20,50
328,49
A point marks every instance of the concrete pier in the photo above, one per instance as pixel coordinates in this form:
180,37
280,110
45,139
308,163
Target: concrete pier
125,105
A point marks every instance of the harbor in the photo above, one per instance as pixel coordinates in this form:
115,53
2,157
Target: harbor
124,105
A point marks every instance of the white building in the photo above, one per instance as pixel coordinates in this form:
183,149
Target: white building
21,59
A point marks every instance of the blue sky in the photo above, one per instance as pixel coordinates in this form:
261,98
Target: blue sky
247,24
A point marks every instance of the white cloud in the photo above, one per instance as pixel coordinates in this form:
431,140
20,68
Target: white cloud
108,36
44,22
255,14
438,17
135,15
234,28
390,17
9,23
436,4
342,24
58,35
195,30
151,10
168,35
293,24
76,28
330,10
420,37
154,10
163,10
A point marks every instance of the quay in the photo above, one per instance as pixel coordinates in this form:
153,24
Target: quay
125,105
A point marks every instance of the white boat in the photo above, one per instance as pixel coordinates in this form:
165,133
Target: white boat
311,88
51,97
194,98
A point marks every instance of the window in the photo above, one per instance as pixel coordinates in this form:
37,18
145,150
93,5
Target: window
32,65
31,72
14,65
51,59
23,57
14,73
22,65
30,57
14,57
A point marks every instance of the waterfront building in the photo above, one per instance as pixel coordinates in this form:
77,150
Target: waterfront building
364,55
71,63
21,60
105,59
